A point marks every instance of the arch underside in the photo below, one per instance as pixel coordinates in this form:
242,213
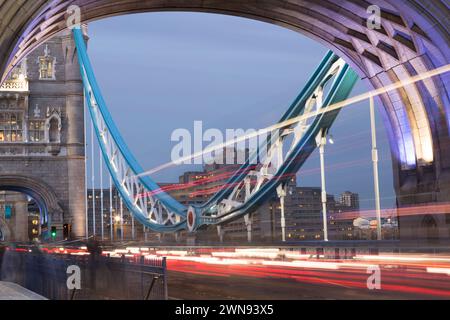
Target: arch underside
38,190
414,38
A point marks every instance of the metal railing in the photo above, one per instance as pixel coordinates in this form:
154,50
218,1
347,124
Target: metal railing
102,277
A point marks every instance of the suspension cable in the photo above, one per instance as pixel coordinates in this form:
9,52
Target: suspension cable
132,228
85,171
111,210
93,177
101,193
121,219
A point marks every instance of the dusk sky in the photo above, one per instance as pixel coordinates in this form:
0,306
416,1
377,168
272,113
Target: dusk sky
162,71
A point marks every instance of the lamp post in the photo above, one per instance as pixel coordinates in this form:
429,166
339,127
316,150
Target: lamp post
321,141
111,231
102,230
86,214
281,194
121,219
93,178
132,227
375,166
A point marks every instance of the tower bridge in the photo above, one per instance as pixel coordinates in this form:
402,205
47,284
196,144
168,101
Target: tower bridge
413,38
42,133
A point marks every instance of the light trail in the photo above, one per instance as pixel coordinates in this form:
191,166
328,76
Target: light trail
405,275
223,176
343,147
336,106
441,208
402,258
439,270
339,166
408,275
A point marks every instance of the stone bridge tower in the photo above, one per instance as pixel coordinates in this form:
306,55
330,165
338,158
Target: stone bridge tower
42,134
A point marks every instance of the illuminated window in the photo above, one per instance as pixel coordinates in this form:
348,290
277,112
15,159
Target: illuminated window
46,70
46,66
36,131
10,126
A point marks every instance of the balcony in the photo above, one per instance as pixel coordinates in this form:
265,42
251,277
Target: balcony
14,85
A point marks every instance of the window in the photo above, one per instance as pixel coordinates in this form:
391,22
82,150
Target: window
46,68
36,131
10,127
54,131
8,211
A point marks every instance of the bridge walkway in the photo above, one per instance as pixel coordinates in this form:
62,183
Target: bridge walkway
12,291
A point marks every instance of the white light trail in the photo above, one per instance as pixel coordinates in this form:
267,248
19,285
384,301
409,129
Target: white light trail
303,264
402,258
439,270
336,106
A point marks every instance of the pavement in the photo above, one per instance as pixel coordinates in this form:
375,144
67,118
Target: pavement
12,291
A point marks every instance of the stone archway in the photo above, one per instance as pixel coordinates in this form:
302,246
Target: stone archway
413,38
39,191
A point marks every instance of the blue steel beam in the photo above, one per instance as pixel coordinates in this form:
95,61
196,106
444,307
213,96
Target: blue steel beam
295,160
340,90
294,110
89,81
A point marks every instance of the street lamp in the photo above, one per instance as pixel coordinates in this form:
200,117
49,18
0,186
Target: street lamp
321,141
375,165
330,139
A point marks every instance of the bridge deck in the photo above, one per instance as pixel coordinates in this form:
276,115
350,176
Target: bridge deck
12,291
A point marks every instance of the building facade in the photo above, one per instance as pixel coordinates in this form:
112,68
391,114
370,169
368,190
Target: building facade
349,201
303,209
42,134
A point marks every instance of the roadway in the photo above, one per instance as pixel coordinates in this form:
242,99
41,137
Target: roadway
188,286
191,280
292,273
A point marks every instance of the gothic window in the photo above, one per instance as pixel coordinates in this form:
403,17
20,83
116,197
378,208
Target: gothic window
46,70
54,130
36,131
46,66
10,126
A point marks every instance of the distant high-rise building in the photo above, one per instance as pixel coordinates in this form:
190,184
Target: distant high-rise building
303,207
349,201
341,225
303,210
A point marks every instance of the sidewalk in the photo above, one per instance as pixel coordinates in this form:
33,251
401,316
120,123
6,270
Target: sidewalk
12,291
